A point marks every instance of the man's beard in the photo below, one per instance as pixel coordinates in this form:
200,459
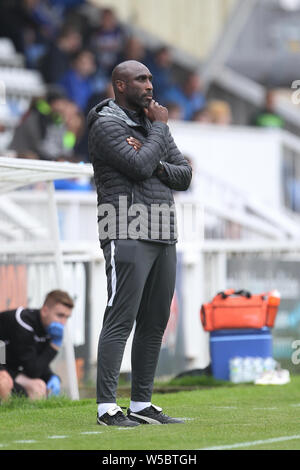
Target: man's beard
147,99
139,102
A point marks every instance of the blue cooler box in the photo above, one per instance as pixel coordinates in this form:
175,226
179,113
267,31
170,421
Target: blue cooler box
226,344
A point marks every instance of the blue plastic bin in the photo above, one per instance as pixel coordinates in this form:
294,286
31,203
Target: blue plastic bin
226,344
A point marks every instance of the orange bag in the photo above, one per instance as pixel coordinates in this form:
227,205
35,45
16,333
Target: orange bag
240,309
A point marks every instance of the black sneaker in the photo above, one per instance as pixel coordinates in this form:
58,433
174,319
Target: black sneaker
115,417
152,415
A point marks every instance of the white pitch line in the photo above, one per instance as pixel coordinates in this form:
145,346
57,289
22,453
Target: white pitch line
126,429
225,407
253,443
91,432
25,441
265,408
33,441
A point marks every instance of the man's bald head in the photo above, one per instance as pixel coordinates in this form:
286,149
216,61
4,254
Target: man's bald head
120,72
125,70
130,79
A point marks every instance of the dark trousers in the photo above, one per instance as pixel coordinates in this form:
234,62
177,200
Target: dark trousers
140,282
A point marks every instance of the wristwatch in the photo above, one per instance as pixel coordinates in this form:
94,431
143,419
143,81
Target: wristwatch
160,167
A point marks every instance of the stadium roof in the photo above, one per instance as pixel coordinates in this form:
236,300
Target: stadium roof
17,172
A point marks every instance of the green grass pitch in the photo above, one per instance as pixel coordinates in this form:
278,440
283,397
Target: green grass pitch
217,416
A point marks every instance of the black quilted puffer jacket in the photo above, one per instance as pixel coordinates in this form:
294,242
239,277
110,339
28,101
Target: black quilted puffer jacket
135,200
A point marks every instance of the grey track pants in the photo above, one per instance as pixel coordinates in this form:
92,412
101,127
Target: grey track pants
140,283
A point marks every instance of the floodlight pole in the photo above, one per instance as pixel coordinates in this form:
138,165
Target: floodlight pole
69,349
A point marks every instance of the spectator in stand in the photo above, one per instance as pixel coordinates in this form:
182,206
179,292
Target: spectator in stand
107,40
62,6
78,80
44,131
189,97
57,59
160,63
35,133
73,138
220,112
29,24
45,16
203,116
268,117
46,24
174,110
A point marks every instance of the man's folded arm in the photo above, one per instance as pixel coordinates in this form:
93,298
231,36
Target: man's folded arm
108,138
176,173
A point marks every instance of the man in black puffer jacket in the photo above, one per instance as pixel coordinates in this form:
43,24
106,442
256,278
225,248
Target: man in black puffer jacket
136,167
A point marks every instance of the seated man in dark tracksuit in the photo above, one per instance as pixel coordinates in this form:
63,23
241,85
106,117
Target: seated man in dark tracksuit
30,339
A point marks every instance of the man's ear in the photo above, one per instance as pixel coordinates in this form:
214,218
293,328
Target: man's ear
121,85
44,310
